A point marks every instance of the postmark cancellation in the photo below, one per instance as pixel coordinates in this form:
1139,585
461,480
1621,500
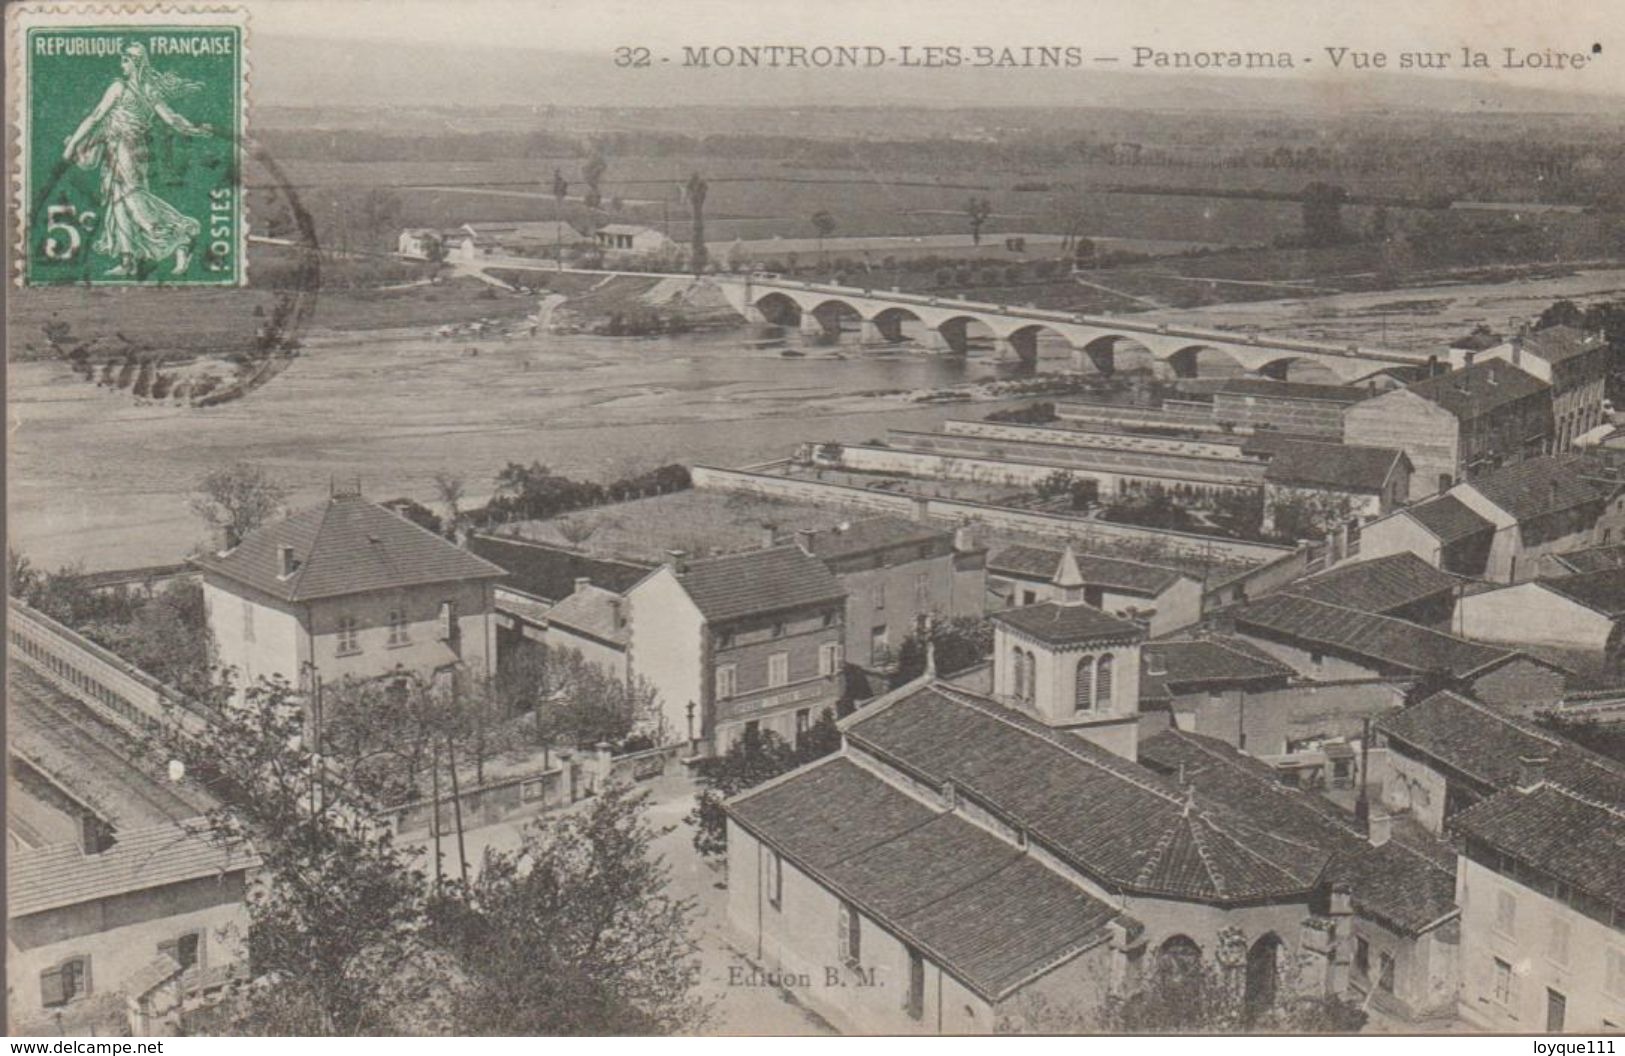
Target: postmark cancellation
128,128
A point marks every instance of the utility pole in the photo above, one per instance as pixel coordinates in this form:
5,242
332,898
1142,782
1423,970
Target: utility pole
434,816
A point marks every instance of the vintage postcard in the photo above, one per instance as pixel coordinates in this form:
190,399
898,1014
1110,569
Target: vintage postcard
538,518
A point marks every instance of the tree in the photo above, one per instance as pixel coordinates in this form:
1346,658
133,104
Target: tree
561,187
752,759
1081,492
694,192
978,211
1561,313
1604,738
1323,214
957,643
824,224
337,907
448,488
577,933
1240,512
1308,514
22,578
380,213
167,636
592,174
237,499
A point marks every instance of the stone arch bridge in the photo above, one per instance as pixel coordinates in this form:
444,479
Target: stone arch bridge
817,309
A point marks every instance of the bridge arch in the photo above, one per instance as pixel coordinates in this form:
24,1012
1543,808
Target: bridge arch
828,318
1113,354
779,309
1205,361
1023,342
1306,369
887,323
958,331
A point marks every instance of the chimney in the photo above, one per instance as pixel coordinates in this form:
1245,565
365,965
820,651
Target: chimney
964,539
804,539
95,835
1467,358
1531,772
286,562
616,613
677,561
582,583
1517,350
770,537
1379,826
1342,900
1518,325
225,538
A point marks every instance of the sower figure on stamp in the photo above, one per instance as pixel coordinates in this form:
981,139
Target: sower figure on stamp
136,224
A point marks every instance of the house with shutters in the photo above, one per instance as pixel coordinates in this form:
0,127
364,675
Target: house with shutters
741,643
348,589
114,898
1538,822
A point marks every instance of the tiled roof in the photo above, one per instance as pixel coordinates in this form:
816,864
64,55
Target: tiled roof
1593,559
1558,343
1391,645
1380,585
42,878
1485,746
551,571
872,534
1603,591
1292,390
759,582
1129,829
980,907
1537,486
345,546
1483,388
1110,573
1578,840
594,611
93,761
1067,624
1344,467
1171,667
1449,519
1404,884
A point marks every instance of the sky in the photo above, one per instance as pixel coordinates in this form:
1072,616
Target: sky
1098,26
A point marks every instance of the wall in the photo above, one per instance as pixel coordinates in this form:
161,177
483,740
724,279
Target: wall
1317,667
1175,608
1420,428
1300,417
749,645
1529,614
120,935
801,940
1270,718
1086,535
1536,956
1398,534
1425,975
423,652
666,631
1412,787
611,659
255,635
909,590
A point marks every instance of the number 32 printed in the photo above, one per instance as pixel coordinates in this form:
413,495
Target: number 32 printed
634,57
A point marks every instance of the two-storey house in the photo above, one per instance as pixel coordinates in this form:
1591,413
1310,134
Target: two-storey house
348,589
744,642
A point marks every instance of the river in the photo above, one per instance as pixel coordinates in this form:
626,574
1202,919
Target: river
97,478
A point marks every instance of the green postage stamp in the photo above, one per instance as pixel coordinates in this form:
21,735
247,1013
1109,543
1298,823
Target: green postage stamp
130,126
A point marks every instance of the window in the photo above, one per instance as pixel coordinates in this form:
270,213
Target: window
397,627
349,640
778,629
1032,677
1018,668
1083,697
1103,681
829,618
1317,661
1029,598
1556,1008
448,621
880,595
725,639
915,1004
1362,956
775,879
829,658
1506,912
248,620
184,948
1505,986
878,640
778,669
726,681
803,721
1385,972
1557,940
922,590
66,982
849,938
1615,981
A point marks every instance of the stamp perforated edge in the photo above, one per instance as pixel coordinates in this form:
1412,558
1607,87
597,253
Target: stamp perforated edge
21,17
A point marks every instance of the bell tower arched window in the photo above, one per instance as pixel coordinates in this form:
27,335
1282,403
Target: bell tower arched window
1103,681
1083,697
